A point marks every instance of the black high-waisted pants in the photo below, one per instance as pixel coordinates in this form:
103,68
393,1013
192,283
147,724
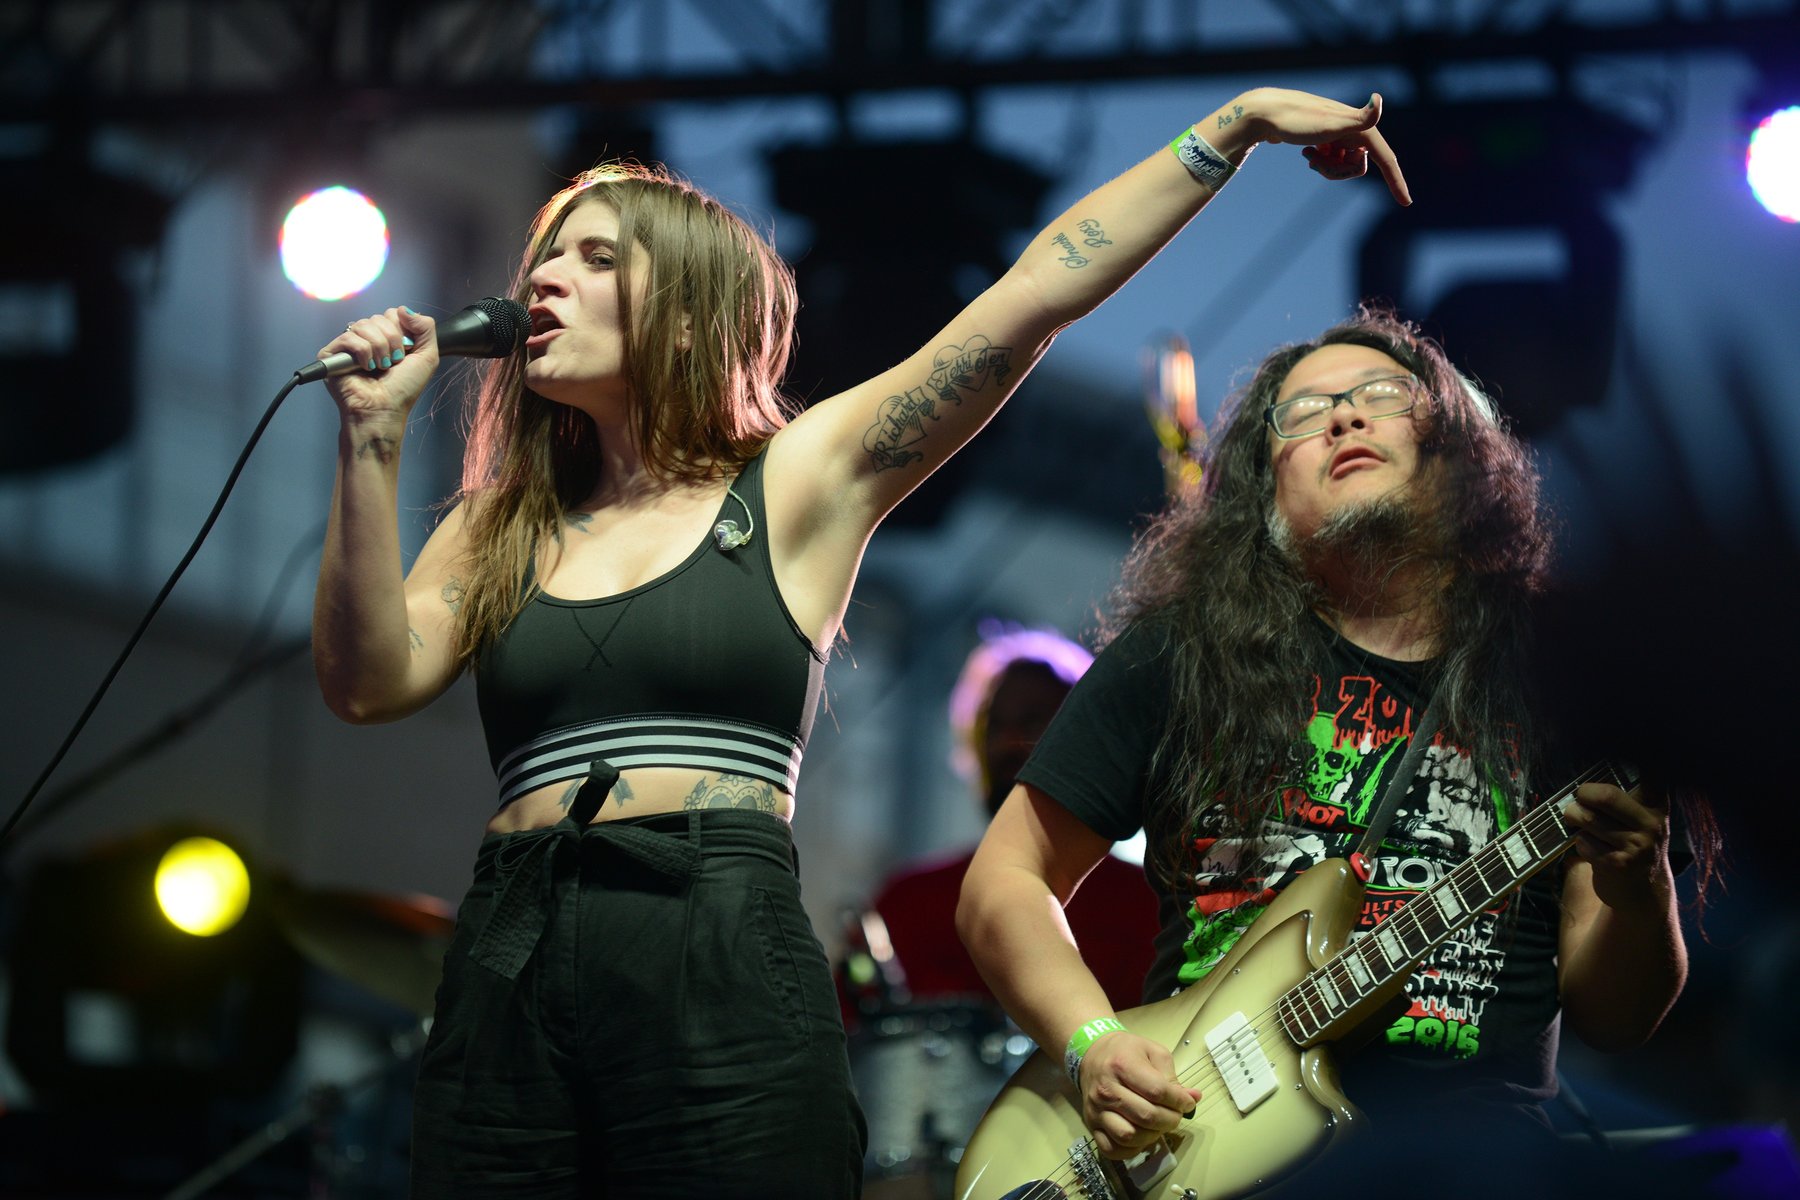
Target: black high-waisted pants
668,1029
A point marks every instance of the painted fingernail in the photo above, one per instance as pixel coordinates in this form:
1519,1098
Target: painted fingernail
406,341
371,364
387,360
400,354
409,312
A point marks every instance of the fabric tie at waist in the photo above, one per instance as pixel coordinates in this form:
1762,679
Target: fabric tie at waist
526,897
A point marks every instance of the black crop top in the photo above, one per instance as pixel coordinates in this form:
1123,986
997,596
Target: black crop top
703,667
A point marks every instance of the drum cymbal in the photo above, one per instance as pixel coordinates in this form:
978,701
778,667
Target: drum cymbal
390,945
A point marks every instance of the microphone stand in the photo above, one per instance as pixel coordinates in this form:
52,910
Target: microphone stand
319,1102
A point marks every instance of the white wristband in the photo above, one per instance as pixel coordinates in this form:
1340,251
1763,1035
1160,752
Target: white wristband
1202,160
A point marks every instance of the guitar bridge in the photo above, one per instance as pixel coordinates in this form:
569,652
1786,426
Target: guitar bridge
1090,1176
1248,1074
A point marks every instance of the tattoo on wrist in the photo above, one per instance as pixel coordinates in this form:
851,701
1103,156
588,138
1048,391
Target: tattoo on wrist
1074,259
732,791
452,593
383,449
1227,118
1091,234
900,420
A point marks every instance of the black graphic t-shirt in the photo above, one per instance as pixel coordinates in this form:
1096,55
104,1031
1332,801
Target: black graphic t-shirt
1482,1015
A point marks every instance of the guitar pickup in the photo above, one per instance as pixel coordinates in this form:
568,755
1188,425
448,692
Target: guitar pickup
1248,1074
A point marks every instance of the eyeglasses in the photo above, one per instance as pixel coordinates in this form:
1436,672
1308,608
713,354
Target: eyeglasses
1304,416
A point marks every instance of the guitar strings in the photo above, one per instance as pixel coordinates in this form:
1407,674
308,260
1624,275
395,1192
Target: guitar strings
1269,1031
1544,818
1267,1022
1268,1028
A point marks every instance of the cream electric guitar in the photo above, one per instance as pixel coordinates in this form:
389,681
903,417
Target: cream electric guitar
1254,1036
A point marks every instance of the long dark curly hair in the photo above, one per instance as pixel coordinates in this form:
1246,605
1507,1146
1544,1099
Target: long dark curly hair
1237,610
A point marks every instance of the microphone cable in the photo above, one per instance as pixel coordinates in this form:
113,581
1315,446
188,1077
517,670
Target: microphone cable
137,634
490,328
256,658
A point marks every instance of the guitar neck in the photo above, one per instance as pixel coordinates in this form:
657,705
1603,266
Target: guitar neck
1319,1004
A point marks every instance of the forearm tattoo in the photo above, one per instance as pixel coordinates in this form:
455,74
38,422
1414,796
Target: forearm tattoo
900,420
452,593
1071,258
1227,118
383,448
1092,236
732,791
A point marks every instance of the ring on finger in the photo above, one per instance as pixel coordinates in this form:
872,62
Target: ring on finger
349,326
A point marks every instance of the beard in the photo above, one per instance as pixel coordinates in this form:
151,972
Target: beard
1366,543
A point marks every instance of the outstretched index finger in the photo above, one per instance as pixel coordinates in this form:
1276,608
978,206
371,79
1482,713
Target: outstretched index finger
1389,166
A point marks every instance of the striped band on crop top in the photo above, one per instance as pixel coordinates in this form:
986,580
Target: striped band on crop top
652,740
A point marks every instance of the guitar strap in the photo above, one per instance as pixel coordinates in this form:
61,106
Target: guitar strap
1383,816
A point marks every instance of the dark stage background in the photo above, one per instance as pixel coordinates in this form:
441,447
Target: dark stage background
1583,240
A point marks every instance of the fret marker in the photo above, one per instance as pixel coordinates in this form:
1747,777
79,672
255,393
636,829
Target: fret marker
1448,904
1390,943
1359,971
1516,853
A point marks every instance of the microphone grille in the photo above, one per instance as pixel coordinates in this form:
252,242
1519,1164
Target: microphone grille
507,323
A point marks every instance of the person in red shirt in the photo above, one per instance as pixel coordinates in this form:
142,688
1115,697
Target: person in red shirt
1009,688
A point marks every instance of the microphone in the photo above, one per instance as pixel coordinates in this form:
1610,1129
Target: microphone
491,327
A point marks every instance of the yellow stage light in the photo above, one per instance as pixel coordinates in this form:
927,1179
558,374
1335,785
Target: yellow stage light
202,886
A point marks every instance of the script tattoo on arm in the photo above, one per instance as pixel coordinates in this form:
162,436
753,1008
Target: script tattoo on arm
1071,258
1237,110
1092,236
732,791
900,420
452,593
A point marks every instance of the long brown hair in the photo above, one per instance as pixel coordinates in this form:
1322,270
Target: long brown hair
1237,611
704,361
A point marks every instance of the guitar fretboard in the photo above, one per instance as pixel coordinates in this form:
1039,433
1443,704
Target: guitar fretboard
1405,937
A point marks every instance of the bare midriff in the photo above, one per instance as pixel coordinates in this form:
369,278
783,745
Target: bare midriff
645,791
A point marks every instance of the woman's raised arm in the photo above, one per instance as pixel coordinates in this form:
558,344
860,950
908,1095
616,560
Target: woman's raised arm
869,446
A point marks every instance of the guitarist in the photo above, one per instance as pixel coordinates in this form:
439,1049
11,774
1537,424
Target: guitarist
1368,535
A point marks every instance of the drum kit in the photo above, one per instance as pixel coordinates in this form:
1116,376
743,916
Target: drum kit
389,946
924,1074
925,1069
